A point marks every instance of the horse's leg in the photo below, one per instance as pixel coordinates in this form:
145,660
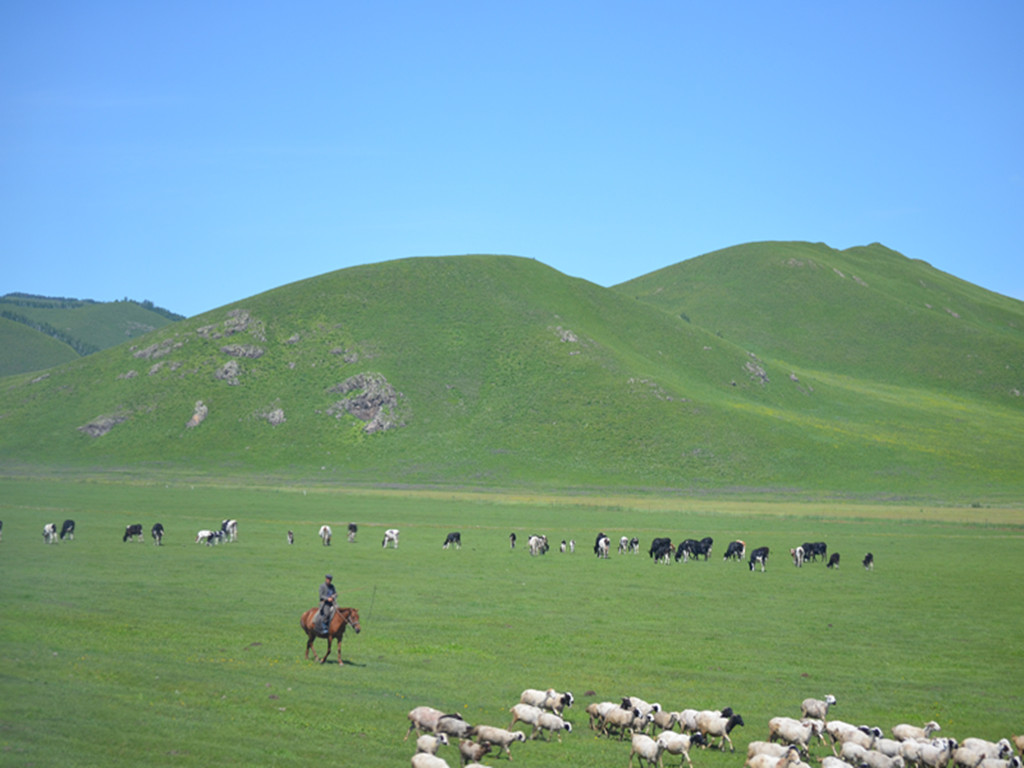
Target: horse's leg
341,634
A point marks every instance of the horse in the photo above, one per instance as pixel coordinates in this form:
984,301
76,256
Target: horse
342,618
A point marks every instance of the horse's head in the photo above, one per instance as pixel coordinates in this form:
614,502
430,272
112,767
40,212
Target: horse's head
353,619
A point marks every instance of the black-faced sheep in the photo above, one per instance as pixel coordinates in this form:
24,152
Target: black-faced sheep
937,754
1000,750
548,721
525,713
679,744
423,719
453,725
429,742
721,727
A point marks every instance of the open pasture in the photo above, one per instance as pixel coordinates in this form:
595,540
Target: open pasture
117,653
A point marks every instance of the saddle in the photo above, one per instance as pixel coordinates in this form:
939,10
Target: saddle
323,627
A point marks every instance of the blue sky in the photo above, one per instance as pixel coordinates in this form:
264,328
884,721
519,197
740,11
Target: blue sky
196,153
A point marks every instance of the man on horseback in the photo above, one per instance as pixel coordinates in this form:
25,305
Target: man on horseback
327,605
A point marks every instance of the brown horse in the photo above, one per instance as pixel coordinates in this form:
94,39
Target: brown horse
342,618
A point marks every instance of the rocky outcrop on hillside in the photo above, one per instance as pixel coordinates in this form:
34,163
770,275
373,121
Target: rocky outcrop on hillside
101,425
370,398
198,415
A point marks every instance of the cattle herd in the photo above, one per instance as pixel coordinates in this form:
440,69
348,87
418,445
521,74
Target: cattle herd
655,732
662,550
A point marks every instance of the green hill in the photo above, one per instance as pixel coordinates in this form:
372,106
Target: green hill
26,349
501,372
82,325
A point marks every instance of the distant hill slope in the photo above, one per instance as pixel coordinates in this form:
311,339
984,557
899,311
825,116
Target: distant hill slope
867,312
26,349
502,372
83,325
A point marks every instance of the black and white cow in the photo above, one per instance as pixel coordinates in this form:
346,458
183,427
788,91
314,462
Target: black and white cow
869,561
815,549
352,528
291,537
759,556
50,533
736,550
67,530
230,530
693,548
833,561
1,530
133,531
390,537
453,538
602,546
157,532
634,545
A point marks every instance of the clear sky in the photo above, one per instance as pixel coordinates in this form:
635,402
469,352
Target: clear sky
196,153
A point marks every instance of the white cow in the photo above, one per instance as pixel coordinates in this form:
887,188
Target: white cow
390,537
50,533
325,535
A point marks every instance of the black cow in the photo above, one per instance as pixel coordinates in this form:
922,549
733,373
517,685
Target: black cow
1,530
661,549
869,561
815,549
453,538
759,556
132,531
68,530
512,540
693,548
157,532
735,551
833,562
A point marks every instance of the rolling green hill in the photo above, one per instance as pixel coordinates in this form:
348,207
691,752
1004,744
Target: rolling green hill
83,326
26,349
501,372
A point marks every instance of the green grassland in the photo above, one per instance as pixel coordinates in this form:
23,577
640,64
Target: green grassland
26,349
508,374
117,653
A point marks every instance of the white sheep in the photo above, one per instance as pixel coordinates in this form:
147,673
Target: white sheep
525,713
498,737
794,732
995,762
721,727
790,758
903,731
624,720
549,699
834,762
937,754
453,725
676,744
597,710
423,719
910,750
769,748
688,720
665,720
817,708
1001,750
640,704
645,748
471,751
425,760
863,735
1019,743
549,721
429,742
888,747
852,752
874,759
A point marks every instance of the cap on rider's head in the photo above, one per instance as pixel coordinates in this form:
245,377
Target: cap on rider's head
329,577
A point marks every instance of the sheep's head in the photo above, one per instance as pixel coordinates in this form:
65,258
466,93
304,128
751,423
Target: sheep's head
830,699
518,736
699,738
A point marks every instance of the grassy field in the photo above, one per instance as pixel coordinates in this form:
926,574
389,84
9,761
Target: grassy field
125,654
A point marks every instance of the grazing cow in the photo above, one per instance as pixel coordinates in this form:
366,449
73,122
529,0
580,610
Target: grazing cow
693,548
815,549
230,530
157,532
352,528
833,561
538,545
390,537
634,545
512,540
868,562
452,538
603,547
572,546
736,550
623,545
50,533
291,537
759,556
209,537
798,556
661,550
1,530
561,547
325,535
67,530
133,531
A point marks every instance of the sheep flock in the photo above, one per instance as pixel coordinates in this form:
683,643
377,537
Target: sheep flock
656,735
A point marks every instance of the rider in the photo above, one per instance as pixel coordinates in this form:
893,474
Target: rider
327,603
